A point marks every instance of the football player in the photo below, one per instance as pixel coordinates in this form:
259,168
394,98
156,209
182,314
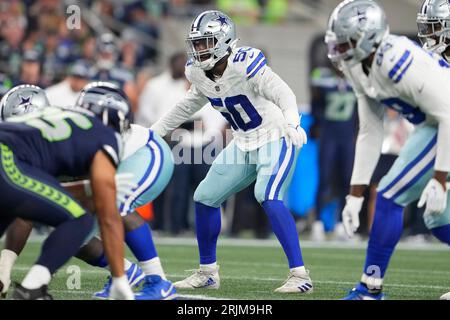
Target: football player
38,147
262,111
148,160
392,71
433,23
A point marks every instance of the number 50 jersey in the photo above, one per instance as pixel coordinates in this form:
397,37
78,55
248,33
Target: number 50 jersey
251,97
59,141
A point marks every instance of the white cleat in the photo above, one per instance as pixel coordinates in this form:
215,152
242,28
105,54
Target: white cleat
297,282
201,278
445,296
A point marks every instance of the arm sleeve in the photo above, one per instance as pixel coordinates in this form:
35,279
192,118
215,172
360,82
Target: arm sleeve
269,85
369,141
183,110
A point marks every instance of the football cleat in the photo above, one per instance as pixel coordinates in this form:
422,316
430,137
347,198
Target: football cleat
135,276
445,296
201,278
4,286
21,293
297,282
360,292
156,288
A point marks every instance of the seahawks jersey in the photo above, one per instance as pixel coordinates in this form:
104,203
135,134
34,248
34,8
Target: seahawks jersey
59,141
410,80
252,98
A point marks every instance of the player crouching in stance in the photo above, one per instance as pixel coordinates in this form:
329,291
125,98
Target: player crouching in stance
147,159
262,110
38,147
395,72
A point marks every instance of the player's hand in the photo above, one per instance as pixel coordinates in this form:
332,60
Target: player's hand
120,289
125,185
296,135
350,214
434,196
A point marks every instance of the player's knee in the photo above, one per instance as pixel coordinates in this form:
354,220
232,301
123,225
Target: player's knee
260,195
206,196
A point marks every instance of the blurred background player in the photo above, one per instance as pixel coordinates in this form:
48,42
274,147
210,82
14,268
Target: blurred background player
392,71
29,183
262,111
333,108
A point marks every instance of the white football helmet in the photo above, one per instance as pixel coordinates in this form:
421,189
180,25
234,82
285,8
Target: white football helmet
22,99
355,29
212,35
433,23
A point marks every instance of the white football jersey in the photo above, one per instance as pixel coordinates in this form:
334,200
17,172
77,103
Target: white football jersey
410,80
256,102
134,139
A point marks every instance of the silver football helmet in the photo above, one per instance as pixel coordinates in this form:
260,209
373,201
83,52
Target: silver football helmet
355,29
22,99
433,23
211,36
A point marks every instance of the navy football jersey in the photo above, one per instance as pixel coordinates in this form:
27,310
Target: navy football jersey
333,104
60,141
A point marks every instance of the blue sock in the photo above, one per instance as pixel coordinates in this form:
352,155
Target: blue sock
283,225
442,233
140,242
207,223
101,261
386,232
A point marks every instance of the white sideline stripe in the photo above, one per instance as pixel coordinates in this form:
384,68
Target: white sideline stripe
265,279
190,241
411,174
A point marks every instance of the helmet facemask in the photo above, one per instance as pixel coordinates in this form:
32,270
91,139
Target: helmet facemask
433,34
203,51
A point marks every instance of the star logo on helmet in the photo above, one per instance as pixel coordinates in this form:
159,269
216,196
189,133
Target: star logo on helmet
361,15
222,20
24,100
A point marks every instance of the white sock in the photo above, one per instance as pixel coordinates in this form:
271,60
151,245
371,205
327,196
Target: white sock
153,266
127,263
37,277
209,266
7,260
298,269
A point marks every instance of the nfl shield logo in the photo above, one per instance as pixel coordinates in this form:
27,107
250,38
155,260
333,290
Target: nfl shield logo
217,88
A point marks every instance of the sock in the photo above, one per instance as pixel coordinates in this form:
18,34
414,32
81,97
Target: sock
153,266
208,224
65,241
442,233
283,225
140,242
298,270
386,232
209,266
7,260
37,277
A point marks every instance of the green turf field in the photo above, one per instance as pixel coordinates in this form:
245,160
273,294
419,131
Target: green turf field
253,272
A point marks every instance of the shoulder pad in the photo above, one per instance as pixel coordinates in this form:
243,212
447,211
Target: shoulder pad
252,60
395,56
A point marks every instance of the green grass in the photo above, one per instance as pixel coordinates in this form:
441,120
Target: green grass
253,272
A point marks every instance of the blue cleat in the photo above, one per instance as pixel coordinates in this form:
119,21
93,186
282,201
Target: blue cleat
135,276
360,292
156,288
